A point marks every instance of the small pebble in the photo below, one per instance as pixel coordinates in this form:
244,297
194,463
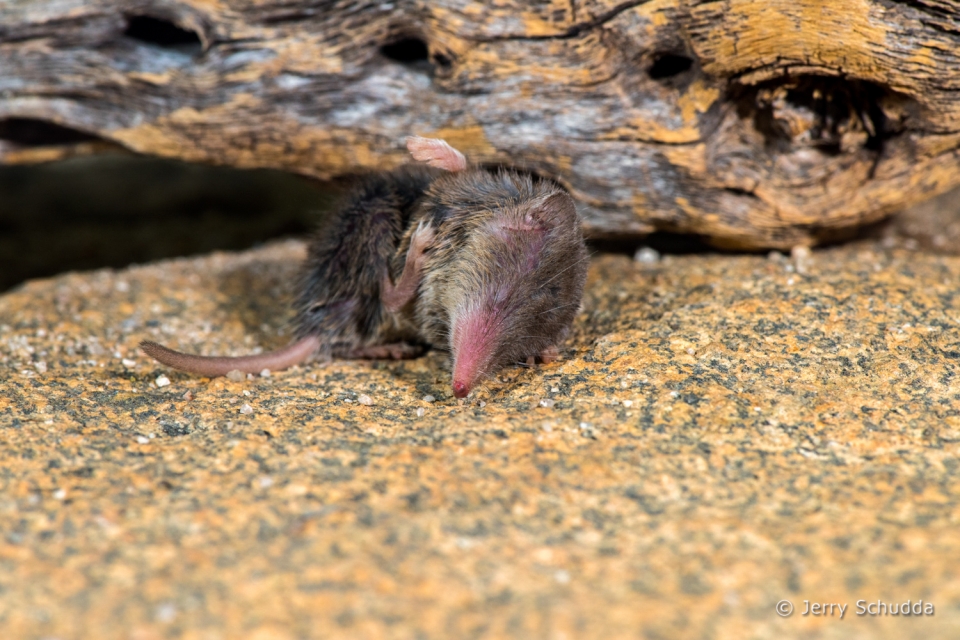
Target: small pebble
548,403
420,412
246,409
188,395
60,494
628,403
162,381
429,398
265,373
365,400
165,613
40,366
646,255
236,376
588,430
128,363
801,258
562,577
143,440
465,543
482,404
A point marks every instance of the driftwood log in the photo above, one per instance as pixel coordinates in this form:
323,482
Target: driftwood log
757,123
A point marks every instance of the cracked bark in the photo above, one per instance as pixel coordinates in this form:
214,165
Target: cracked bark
754,123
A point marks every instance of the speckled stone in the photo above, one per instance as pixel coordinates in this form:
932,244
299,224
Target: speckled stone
722,433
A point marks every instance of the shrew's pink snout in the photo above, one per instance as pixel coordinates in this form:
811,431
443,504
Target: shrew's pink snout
474,338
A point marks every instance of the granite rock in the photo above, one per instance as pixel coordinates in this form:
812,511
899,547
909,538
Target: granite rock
722,433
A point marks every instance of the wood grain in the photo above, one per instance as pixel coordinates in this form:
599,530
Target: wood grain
755,123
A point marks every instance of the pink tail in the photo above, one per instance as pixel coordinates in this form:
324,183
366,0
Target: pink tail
213,366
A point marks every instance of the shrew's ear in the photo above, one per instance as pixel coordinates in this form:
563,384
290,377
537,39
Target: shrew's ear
556,210
436,153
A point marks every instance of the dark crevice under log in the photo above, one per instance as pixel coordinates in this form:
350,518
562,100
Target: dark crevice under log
30,132
753,123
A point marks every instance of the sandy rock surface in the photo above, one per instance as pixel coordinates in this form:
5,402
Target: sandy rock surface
723,432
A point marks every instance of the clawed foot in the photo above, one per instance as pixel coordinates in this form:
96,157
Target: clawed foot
395,296
423,237
436,153
396,351
548,355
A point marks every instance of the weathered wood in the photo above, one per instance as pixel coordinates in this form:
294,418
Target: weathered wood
754,122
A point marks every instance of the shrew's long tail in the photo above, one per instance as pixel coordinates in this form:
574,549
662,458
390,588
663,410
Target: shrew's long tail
213,366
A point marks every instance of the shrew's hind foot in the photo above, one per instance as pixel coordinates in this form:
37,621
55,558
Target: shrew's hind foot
396,351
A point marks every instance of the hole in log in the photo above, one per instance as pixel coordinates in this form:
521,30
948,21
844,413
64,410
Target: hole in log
833,115
442,60
740,192
669,65
162,33
40,133
406,51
